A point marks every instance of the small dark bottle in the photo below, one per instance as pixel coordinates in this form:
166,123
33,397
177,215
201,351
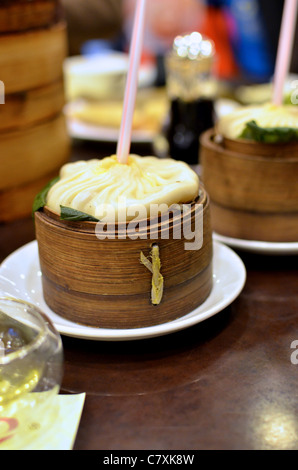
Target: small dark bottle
191,89
187,121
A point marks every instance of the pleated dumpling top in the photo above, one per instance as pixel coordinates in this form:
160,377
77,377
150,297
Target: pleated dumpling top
266,116
88,186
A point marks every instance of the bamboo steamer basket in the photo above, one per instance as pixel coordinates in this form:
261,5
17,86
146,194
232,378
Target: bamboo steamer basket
31,107
29,154
102,283
252,187
32,59
34,140
21,16
16,203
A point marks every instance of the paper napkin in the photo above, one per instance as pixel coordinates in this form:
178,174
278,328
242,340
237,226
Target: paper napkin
23,428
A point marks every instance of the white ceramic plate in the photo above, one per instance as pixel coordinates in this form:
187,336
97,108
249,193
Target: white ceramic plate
265,248
84,131
20,277
93,75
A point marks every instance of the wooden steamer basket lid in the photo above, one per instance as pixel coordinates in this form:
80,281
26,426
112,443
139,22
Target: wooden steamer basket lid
102,283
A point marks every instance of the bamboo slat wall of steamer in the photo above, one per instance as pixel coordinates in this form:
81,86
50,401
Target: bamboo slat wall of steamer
34,142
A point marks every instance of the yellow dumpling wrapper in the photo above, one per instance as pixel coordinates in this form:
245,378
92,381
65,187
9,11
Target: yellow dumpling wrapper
88,186
105,114
232,125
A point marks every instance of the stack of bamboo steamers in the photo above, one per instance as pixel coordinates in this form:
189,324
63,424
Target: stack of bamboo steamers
33,136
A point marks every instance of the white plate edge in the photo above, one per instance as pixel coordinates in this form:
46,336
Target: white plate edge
275,248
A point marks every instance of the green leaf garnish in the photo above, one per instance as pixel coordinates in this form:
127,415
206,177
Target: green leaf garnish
67,213
40,199
270,135
290,99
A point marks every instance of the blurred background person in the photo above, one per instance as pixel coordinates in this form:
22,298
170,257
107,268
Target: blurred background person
164,21
245,32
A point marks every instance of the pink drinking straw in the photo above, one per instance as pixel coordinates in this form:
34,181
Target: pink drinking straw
124,141
284,51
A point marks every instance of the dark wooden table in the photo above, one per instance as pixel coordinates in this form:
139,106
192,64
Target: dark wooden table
230,382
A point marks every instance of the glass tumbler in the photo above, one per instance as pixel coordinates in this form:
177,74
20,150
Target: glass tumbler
31,369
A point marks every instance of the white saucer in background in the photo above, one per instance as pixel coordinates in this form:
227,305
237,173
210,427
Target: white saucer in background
260,247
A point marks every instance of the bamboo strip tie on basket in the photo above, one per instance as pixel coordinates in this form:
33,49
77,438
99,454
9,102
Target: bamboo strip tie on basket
157,278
